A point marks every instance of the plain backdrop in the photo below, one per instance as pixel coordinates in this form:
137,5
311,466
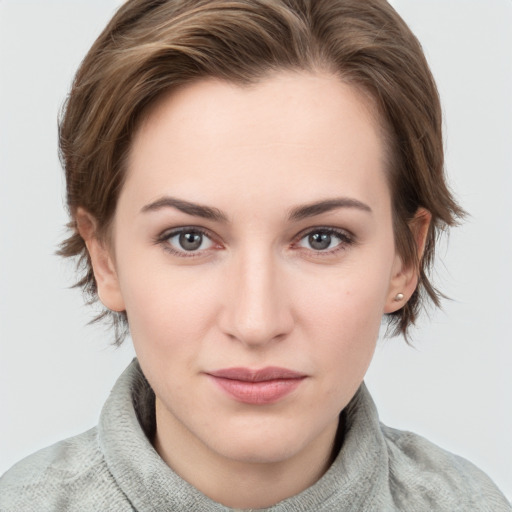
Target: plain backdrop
454,387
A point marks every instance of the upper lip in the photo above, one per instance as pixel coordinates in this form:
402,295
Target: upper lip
258,375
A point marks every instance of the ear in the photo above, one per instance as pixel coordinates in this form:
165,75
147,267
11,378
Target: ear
404,278
102,261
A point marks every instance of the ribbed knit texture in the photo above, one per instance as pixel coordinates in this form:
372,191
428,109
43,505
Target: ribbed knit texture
114,467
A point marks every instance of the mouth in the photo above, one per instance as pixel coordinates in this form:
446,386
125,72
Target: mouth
257,387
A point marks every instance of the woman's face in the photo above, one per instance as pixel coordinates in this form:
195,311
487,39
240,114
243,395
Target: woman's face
253,252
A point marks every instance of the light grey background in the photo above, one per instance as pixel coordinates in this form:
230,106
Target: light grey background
454,387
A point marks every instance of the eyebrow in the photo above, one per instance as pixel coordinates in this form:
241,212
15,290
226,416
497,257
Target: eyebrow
298,213
197,210
317,208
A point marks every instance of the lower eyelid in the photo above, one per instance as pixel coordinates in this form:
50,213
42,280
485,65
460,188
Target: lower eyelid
165,237
345,240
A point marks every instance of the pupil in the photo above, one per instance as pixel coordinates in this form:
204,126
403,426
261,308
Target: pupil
191,241
320,241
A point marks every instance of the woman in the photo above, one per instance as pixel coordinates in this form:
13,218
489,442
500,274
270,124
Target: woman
252,186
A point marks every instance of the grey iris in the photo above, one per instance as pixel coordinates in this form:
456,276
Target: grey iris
319,241
191,241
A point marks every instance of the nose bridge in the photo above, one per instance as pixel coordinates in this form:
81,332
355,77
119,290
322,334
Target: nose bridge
258,311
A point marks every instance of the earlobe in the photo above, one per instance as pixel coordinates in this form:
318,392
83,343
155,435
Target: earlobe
402,285
405,278
102,261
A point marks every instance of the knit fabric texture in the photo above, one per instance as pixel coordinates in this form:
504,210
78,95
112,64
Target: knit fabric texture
114,467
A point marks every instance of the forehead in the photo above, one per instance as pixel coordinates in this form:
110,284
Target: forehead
282,97
290,131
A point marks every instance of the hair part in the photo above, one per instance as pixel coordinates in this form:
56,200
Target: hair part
151,47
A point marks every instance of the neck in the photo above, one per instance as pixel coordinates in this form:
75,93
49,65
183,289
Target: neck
259,484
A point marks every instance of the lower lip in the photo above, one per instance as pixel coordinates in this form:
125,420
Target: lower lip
257,393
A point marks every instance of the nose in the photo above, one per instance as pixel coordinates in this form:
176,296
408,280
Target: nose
257,309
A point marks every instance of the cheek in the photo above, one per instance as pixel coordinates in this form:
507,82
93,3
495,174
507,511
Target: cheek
348,329
343,316
350,299
165,304
169,325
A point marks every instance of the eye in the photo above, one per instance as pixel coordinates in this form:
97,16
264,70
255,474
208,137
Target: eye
325,239
186,241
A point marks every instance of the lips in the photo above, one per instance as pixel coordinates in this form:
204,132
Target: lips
257,387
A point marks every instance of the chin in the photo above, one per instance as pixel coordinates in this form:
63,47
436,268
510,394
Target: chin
261,451
268,443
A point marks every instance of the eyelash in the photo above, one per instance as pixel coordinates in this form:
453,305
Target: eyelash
345,239
164,238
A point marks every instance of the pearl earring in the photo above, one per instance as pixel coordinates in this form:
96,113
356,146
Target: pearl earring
399,297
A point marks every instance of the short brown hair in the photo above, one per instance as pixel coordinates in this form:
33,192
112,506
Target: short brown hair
153,46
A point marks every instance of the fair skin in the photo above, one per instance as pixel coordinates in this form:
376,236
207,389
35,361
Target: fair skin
257,279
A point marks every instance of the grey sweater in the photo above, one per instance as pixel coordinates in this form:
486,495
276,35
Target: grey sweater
114,467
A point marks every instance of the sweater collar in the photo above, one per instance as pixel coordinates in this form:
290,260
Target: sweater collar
127,423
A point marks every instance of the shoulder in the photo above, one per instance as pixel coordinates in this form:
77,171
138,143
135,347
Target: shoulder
444,481
70,475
